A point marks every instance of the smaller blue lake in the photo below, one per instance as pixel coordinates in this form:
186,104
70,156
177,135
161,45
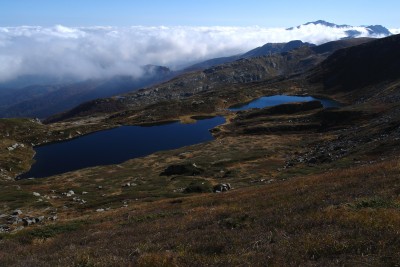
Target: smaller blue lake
269,101
117,145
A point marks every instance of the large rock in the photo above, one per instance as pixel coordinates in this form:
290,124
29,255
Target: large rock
13,219
222,188
28,221
39,219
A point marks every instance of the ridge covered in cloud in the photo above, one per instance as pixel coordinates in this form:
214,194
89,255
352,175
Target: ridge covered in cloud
94,52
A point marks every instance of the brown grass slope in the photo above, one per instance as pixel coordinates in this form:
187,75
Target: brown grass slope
349,217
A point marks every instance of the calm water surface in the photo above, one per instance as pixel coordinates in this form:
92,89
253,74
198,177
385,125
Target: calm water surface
269,101
117,145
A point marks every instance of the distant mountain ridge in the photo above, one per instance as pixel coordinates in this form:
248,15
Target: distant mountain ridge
351,31
267,49
371,31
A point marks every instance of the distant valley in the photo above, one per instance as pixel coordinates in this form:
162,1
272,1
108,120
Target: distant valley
44,100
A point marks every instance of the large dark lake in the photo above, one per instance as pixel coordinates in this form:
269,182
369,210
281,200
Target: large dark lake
269,101
117,145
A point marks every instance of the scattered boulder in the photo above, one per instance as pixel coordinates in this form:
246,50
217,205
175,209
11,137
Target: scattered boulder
36,194
126,185
182,169
13,219
16,212
77,199
39,219
52,218
27,221
221,188
99,210
4,228
15,146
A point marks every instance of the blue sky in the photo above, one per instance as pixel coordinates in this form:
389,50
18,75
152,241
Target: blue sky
277,13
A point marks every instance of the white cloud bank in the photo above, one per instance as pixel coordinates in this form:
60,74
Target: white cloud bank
94,52
395,31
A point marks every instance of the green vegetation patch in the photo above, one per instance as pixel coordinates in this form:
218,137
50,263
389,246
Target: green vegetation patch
375,203
53,230
16,198
200,186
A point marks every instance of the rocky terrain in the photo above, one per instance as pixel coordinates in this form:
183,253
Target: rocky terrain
294,184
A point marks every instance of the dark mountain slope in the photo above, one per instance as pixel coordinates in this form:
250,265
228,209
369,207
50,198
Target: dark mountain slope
274,48
212,62
336,45
359,66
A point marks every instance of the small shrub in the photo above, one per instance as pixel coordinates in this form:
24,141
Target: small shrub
240,222
199,187
53,230
374,203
